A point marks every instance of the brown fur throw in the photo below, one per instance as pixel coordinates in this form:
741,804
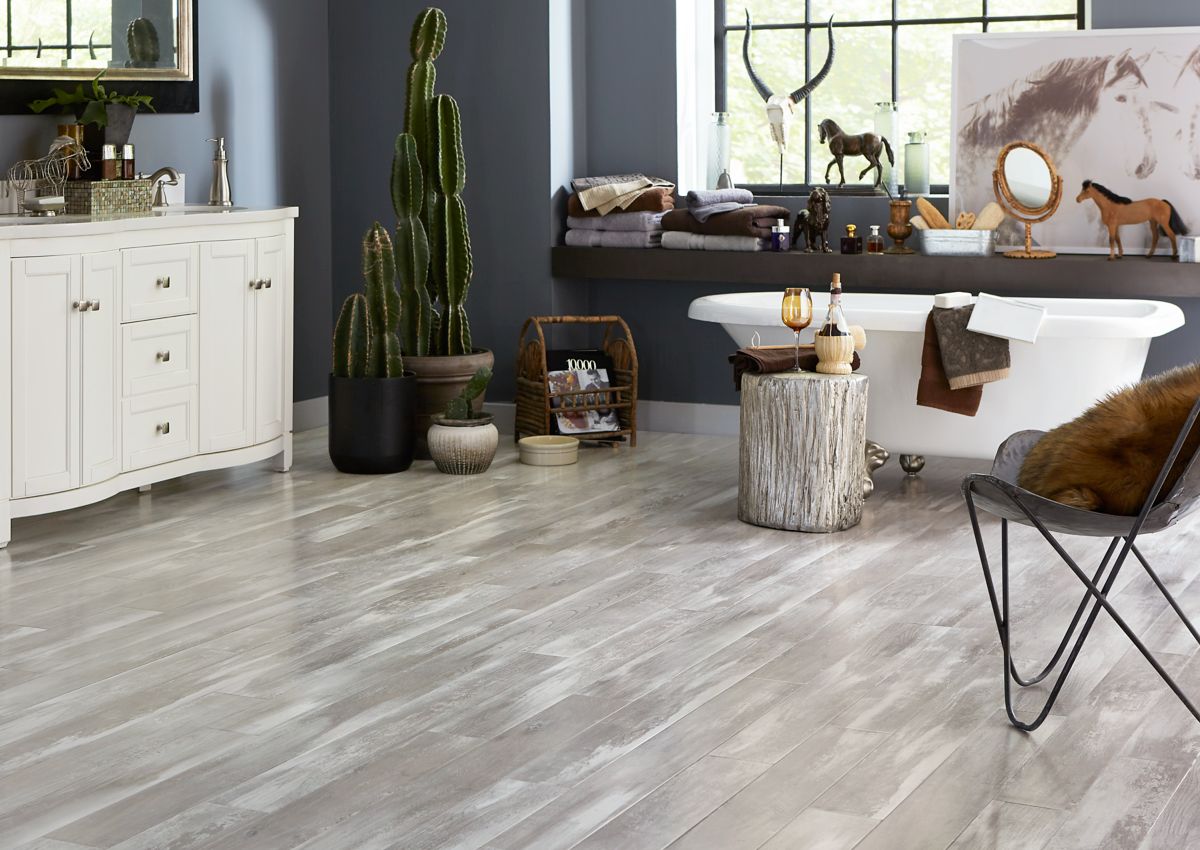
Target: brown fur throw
1107,459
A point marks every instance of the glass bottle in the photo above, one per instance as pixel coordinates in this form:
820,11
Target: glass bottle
887,124
780,236
718,152
833,341
851,242
916,164
874,241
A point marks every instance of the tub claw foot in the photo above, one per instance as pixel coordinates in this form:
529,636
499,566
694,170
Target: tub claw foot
874,456
912,464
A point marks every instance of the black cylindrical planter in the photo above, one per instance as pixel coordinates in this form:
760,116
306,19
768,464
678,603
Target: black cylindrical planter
371,423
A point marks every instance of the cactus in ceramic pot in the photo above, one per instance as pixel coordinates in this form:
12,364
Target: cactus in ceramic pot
412,247
450,239
352,338
461,407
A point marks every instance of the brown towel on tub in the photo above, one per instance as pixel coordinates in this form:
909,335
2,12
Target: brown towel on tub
970,359
737,223
775,358
933,388
651,200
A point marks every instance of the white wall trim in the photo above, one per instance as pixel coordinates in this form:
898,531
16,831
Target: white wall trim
310,413
671,416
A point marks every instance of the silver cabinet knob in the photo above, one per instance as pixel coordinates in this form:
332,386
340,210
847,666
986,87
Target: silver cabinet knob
163,357
94,306
254,284
267,283
164,428
164,282
81,306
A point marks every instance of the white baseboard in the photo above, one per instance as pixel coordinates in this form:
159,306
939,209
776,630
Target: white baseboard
310,413
672,416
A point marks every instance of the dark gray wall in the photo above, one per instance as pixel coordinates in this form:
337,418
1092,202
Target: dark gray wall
683,360
264,85
495,64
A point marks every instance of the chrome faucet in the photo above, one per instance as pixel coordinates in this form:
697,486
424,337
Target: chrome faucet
159,179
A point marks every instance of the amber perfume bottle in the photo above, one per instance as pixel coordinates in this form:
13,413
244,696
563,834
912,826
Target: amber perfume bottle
851,243
874,241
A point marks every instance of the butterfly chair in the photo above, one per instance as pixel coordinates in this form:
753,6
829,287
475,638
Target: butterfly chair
998,494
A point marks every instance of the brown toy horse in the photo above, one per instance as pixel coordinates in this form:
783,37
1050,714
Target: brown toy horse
867,145
1116,210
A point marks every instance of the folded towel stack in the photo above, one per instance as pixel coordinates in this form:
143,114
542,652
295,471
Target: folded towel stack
725,219
616,230
603,195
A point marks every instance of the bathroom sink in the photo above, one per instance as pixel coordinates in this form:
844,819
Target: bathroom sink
194,208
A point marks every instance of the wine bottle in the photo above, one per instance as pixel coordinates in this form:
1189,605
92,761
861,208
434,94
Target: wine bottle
835,321
834,343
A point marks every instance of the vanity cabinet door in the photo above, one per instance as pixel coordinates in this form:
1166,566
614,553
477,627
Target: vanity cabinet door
46,335
227,359
268,309
100,388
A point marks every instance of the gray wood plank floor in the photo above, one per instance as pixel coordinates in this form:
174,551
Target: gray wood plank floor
599,656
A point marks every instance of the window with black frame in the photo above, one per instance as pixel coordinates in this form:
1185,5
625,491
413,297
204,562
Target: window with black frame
886,50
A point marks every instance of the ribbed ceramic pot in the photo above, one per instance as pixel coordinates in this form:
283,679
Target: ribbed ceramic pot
463,446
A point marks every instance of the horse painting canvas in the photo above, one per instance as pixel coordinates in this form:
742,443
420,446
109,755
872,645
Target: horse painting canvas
1118,107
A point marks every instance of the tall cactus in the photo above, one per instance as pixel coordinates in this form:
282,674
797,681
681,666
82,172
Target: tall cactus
352,338
141,39
450,239
428,38
383,302
412,247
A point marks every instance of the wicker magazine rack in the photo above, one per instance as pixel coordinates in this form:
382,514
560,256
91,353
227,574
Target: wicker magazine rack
534,400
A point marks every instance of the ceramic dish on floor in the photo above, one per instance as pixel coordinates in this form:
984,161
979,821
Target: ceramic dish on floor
549,450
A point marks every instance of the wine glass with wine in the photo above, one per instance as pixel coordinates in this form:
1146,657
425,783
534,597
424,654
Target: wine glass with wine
797,314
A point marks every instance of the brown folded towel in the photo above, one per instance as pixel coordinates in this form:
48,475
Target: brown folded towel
775,358
970,359
651,200
736,223
933,389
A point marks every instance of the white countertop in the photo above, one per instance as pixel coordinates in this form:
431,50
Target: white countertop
189,215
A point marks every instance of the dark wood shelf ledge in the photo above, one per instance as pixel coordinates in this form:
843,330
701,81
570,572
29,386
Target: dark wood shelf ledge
1083,276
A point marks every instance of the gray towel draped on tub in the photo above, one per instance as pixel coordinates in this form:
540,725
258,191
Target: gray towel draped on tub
970,359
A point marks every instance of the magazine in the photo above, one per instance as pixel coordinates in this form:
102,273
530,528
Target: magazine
581,421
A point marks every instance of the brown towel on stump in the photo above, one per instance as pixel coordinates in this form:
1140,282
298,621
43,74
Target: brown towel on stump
736,223
933,389
775,358
651,200
970,359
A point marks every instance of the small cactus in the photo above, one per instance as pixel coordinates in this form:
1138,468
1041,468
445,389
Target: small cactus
352,338
461,406
412,247
450,239
142,40
383,303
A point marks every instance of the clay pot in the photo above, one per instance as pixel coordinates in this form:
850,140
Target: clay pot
440,379
463,446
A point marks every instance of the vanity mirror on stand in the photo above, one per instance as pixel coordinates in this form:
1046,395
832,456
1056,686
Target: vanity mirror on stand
143,46
1029,188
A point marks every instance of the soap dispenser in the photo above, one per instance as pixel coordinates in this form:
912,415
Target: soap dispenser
219,195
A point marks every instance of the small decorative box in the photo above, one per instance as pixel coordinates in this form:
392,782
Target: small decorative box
1188,252
107,197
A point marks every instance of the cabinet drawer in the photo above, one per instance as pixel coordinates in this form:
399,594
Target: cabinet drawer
158,355
159,281
159,427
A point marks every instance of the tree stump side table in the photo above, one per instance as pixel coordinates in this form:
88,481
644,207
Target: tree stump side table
802,437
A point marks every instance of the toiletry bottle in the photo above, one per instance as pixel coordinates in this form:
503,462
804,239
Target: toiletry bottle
219,195
128,163
110,162
851,244
780,238
874,241
834,342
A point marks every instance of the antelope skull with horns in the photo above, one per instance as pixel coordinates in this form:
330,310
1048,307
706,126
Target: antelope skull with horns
781,107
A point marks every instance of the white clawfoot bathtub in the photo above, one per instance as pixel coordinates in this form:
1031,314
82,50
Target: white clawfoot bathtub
1086,348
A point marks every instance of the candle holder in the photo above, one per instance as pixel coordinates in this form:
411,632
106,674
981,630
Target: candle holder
899,227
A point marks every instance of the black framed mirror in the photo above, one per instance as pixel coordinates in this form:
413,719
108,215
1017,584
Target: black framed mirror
144,46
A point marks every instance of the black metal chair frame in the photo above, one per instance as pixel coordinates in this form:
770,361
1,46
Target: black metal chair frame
1000,497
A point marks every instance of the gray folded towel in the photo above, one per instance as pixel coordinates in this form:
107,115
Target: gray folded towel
643,221
707,203
969,359
679,240
614,238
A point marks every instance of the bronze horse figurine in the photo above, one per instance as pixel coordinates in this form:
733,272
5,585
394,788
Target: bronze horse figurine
813,223
1116,210
867,145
